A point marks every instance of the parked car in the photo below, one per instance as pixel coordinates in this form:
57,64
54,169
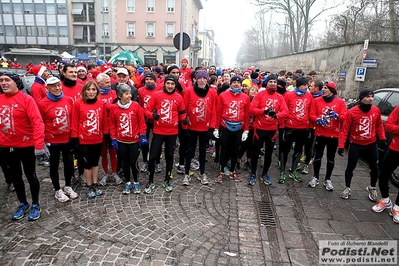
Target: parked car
386,99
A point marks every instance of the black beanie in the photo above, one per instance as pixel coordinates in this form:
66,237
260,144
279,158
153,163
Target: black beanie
281,83
301,81
171,67
150,75
14,76
271,77
364,93
172,78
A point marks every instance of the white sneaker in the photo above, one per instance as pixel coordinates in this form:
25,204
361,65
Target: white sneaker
314,182
186,180
382,205
70,193
117,179
203,178
395,214
60,196
373,195
328,185
103,181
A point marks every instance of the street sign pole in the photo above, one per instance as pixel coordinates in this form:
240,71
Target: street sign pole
181,30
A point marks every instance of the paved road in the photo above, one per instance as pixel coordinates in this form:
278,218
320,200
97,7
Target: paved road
218,224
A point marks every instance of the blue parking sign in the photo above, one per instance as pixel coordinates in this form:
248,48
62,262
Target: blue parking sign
360,73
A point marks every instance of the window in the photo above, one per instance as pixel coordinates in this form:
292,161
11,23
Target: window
170,6
390,104
41,31
20,30
170,29
52,31
105,6
105,30
30,31
28,8
150,29
61,9
10,31
378,97
130,29
1,31
63,30
6,8
130,5
50,9
17,8
39,8
150,6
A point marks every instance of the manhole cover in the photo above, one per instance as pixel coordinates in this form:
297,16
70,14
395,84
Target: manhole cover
266,215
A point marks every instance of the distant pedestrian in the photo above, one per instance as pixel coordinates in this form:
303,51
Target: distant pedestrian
389,164
21,138
363,124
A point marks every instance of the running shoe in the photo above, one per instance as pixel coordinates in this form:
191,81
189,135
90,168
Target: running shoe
136,188
313,182
219,178
103,181
117,179
305,169
60,196
395,214
328,184
97,190
252,180
266,180
382,205
203,179
128,187
34,213
180,168
234,176
281,178
144,167
70,193
90,193
149,188
166,185
373,195
294,175
194,165
186,180
346,193
158,168
21,211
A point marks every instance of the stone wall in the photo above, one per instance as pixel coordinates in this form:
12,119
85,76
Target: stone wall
329,62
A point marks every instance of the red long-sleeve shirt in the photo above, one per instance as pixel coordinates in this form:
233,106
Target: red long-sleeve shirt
38,91
362,127
233,107
126,125
392,126
21,124
298,110
262,101
108,98
74,91
57,117
171,110
320,109
89,122
201,111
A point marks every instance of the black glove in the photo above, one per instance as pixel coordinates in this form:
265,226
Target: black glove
273,114
108,142
382,145
155,115
75,144
341,152
267,111
185,121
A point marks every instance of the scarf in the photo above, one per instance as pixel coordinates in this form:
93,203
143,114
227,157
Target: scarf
104,91
68,82
126,106
315,95
39,80
328,99
235,91
281,90
90,101
365,107
299,92
201,92
270,90
54,98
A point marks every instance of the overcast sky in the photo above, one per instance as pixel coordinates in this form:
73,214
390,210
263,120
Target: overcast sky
229,19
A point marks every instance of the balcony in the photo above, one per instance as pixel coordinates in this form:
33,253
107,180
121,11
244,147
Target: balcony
84,42
197,45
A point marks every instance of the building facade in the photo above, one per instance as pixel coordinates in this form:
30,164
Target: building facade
102,27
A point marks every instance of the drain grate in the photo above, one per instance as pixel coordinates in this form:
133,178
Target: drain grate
266,215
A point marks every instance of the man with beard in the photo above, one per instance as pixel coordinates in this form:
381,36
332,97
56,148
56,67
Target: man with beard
200,102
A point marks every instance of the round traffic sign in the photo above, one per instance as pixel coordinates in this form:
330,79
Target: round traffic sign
186,41
364,54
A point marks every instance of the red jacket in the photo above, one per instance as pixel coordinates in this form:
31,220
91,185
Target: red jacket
38,91
298,110
362,127
320,108
21,124
262,101
126,125
392,126
232,107
171,110
73,92
57,119
89,122
201,111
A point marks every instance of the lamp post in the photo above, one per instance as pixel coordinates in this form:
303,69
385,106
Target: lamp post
103,28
